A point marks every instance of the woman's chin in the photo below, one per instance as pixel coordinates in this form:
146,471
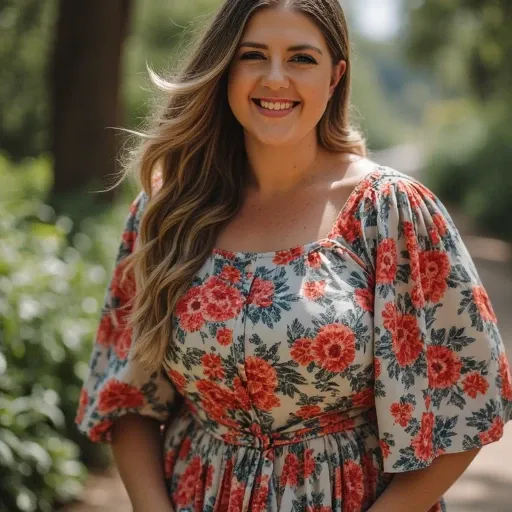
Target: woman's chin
273,139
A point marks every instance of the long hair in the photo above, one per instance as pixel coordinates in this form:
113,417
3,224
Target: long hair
197,146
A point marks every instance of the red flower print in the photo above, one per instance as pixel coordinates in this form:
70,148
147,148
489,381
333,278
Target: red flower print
338,487
123,342
413,196
417,297
475,383
506,379
261,382
199,493
314,259
178,379
371,476
389,317
364,298
285,257
262,293
384,447
334,347
301,351
348,227
290,473
483,304
218,395
406,344
105,328
386,262
170,460
354,485
225,337
309,463
184,448
122,285
241,395
336,419
440,224
260,494
364,398
423,441
212,364
129,238
209,476
189,310
229,255
187,482
224,491
314,290
230,273
119,395
309,411
411,242
377,368
236,498
435,269
221,301
82,404
494,433
402,413
101,431
216,400
443,367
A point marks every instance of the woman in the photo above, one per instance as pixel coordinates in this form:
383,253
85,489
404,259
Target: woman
361,369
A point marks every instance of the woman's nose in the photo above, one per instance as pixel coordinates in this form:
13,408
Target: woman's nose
276,77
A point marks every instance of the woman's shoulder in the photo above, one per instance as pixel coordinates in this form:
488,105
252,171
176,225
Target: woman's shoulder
384,183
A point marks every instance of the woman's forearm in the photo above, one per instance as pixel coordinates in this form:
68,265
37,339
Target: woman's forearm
418,491
137,450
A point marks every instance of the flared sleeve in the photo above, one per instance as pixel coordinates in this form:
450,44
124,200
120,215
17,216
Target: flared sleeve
115,384
442,379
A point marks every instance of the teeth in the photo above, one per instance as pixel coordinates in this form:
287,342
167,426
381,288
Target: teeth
276,105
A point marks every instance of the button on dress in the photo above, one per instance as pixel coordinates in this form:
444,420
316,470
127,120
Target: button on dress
304,379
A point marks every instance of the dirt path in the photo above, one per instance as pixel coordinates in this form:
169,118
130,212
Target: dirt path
485,486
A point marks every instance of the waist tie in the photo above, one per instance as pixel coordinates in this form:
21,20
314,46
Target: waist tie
324,425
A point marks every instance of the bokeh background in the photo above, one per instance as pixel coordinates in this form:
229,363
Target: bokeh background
431,91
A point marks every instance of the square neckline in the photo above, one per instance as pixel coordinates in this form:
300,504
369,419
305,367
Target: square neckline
303,248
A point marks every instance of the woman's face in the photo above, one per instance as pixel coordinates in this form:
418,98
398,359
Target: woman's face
281,77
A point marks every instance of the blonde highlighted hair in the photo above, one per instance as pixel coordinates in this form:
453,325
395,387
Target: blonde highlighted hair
195,147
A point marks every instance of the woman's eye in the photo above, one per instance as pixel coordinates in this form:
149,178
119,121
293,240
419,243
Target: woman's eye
306,59
251,56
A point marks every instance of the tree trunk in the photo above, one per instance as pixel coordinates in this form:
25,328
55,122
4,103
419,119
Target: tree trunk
85,85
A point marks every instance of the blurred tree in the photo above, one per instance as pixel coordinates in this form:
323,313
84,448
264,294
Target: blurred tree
467,44
465,39
25,35
85,77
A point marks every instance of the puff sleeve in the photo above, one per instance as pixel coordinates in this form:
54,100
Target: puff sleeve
116,385
442,379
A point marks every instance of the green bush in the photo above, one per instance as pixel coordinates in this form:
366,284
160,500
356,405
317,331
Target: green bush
470,166
51,292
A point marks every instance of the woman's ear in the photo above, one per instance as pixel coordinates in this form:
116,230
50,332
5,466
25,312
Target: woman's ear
338,70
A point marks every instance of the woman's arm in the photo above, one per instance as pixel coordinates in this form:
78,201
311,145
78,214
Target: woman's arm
137,449
418,491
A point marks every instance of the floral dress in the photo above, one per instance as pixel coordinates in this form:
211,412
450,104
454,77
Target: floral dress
303,379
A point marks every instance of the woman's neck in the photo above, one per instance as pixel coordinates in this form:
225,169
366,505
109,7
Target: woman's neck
279,169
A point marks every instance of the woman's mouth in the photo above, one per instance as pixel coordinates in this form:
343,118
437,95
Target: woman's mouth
275,108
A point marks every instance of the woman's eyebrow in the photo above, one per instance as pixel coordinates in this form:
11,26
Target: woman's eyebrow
295,48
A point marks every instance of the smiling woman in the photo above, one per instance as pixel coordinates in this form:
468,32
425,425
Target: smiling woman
289,326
